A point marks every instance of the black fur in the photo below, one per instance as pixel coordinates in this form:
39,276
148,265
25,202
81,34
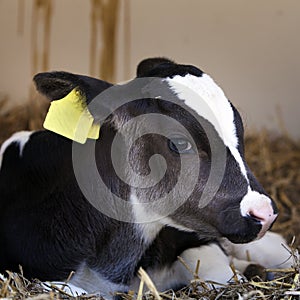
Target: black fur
56,85
162,67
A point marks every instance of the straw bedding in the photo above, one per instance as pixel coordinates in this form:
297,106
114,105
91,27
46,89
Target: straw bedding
274,159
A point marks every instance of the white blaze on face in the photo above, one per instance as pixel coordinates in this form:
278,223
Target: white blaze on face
21,138
208,100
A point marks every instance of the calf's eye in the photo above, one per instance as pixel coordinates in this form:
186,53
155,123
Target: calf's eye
180,145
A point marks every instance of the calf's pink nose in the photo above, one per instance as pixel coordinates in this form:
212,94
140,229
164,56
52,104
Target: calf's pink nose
263,214
258,207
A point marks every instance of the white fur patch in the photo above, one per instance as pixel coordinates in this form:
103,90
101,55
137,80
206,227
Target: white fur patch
271,251
208,100
21,138
209,255
149,230
236,154
92,282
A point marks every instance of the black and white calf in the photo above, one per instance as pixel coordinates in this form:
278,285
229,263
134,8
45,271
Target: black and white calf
49,227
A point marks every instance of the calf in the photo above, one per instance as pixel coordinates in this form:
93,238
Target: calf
55,218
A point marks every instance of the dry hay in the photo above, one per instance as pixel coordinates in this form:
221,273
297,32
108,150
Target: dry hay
13,120
286,285
28,116
275,160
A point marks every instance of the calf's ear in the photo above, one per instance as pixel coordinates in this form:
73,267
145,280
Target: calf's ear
146,66
56,85
70,95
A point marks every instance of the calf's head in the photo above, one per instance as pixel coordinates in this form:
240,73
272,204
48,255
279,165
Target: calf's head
171,146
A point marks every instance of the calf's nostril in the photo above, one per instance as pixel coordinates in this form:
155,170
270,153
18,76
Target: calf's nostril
255,217
263,215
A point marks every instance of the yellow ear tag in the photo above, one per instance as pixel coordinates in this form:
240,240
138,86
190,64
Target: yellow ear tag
70,118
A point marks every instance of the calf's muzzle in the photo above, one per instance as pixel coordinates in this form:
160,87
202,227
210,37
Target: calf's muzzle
260,209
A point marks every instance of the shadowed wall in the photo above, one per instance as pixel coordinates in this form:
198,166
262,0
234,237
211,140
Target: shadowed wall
250,48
